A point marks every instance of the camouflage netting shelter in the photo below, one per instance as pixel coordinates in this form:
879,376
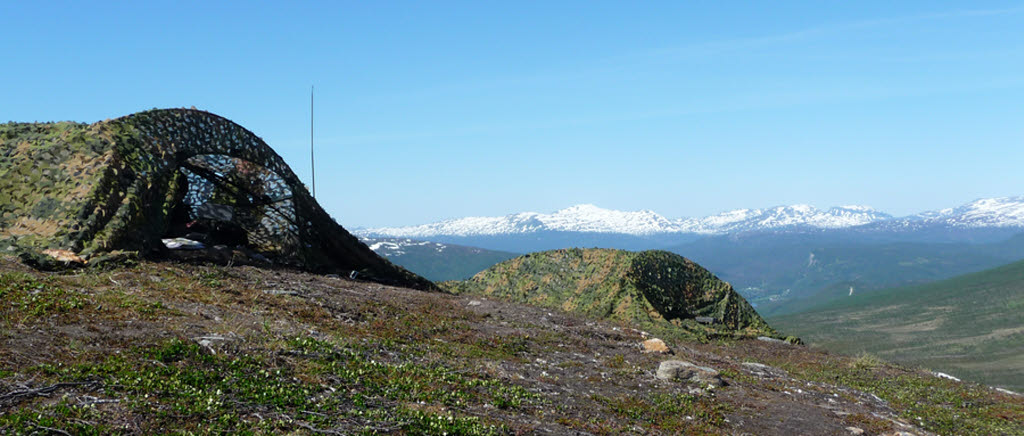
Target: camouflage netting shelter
645,289
122,185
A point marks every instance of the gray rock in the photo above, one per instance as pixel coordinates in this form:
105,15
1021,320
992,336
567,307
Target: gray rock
762,370
767,339
210,343
689,373
279,292
754,366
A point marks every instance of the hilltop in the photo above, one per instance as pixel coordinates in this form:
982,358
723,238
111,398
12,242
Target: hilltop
649,289
170,348
969,326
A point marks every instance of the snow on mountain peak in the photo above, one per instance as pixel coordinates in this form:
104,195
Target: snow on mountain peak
588,218
593,219
985,212
743,220
579,218
857,208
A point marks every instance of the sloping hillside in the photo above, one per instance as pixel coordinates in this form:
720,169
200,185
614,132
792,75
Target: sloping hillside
650,288
971,326
162,348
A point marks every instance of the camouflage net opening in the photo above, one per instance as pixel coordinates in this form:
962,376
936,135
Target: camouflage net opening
226,189
123,184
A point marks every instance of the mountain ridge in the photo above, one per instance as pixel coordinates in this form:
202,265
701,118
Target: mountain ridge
999,212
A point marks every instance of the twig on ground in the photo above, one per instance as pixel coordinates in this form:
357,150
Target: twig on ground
12,397
52,430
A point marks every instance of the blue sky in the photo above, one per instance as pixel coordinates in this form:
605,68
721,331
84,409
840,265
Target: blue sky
433,110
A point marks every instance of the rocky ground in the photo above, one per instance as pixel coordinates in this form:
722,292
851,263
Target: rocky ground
178,348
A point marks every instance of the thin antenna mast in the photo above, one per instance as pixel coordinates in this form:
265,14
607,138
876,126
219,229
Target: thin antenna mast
312,163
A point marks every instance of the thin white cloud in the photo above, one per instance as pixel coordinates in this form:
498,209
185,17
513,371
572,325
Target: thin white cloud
730,45
698,50
783,98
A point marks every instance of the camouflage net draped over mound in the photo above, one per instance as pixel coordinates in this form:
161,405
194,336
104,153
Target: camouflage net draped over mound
647,289
123,184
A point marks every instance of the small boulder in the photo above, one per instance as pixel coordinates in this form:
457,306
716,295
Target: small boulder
210,343
689,373
754,366
855,430
762,370
655,345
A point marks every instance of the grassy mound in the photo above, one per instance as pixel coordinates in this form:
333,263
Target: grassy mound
647,289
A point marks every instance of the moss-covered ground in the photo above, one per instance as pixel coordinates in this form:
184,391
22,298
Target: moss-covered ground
160,348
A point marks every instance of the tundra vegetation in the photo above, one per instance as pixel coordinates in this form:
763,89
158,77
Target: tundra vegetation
179,348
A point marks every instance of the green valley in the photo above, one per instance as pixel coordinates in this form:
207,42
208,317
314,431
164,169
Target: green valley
434,260
788,273
971,326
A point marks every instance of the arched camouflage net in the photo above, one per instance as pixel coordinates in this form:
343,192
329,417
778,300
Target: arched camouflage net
122,184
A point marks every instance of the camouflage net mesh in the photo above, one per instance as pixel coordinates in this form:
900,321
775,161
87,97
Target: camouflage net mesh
123,184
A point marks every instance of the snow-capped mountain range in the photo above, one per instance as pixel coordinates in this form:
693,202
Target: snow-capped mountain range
586,218
987,212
